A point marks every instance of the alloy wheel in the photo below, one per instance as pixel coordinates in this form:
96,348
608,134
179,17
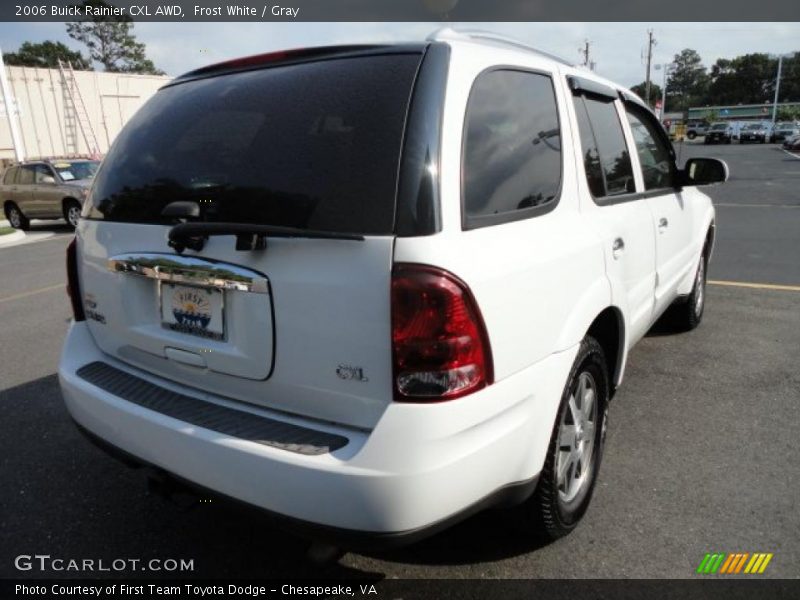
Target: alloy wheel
576,436
14,217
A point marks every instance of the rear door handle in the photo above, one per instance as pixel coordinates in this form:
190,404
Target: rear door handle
618,247
663,223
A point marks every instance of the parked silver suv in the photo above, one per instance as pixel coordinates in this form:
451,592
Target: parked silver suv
46,189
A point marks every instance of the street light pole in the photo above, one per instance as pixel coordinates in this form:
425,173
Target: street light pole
777,90
667,69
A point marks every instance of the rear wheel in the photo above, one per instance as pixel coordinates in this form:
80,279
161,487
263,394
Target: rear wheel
15,217
573,459
72,212
691,135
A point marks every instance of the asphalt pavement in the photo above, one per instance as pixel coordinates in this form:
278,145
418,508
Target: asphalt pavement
700,454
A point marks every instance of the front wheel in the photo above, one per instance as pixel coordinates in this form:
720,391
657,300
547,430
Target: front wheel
689,313
573,459
691,135
72,212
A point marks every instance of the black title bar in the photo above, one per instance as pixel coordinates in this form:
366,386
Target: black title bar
410,10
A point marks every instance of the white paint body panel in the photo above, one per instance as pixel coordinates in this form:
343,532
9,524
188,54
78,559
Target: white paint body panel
539,284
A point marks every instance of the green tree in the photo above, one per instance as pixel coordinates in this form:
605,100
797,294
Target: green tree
46,55
788,113
747,79
655,92
688,82
111,42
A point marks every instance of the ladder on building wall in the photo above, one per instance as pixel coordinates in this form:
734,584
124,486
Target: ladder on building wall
79,113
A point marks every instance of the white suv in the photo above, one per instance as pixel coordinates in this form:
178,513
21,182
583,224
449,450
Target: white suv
373,289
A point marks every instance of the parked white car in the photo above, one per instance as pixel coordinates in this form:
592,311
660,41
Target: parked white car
375,289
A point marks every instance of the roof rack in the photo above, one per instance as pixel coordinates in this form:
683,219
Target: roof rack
448,33
56,158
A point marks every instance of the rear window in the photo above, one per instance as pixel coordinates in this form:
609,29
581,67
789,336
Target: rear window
314,146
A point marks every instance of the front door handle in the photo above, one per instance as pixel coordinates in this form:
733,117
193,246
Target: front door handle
663,223
618,247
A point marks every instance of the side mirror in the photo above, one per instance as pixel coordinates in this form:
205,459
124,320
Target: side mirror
704,171
48,179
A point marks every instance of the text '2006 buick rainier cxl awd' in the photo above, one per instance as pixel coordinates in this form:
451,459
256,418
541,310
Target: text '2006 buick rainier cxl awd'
373,289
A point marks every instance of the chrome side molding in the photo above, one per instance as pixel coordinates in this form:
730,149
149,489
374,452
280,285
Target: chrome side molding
190,270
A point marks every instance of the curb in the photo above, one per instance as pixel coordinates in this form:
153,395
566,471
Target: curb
11,238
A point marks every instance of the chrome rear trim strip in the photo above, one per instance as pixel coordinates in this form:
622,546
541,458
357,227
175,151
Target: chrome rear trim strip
190,270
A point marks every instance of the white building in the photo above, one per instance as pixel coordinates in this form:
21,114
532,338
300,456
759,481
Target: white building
57,118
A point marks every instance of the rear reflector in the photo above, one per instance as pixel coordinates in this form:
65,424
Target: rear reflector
73,287
439,343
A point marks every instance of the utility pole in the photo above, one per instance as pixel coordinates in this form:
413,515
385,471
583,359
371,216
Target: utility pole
650,43
585,52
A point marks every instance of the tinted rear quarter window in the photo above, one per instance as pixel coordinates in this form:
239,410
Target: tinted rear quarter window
10,175
511,166
313,145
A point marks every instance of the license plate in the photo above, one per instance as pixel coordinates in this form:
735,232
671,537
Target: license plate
193,310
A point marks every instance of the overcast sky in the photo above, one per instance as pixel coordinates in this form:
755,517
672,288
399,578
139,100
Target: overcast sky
617,48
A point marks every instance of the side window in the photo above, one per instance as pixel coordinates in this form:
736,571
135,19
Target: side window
42,171
10,175
605,154
25,175
654,154
511,164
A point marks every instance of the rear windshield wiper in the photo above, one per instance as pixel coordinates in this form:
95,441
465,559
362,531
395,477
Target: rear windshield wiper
248,236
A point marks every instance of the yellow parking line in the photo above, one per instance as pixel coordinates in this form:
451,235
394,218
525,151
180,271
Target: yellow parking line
33,292
757,286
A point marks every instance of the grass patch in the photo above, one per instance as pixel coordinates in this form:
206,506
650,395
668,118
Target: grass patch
5,230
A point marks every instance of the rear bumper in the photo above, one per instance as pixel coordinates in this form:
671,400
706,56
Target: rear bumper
419,469
509,495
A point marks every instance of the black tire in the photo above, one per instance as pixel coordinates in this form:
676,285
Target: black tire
70,214
688,312
550,512
691,135
16,218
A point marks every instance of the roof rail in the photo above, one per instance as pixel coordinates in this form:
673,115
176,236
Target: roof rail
448,33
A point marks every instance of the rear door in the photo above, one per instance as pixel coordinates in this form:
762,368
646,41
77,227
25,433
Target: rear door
623,219
294,322
672,220
23,195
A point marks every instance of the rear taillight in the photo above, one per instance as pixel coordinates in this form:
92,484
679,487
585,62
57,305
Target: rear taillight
73,287
439,342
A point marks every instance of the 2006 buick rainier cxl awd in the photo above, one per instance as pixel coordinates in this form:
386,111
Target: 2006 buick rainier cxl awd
373,289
